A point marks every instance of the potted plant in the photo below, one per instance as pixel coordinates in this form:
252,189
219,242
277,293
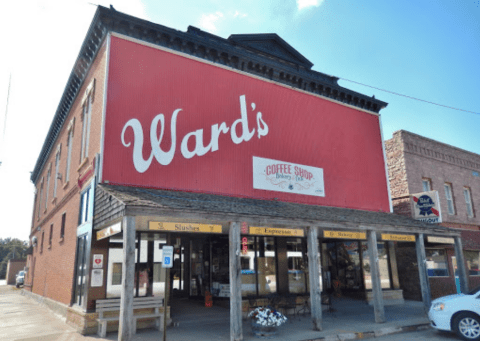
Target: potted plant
265,321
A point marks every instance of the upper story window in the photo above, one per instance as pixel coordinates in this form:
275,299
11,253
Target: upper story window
40,199
468,201
449,197
41,244
50,236
86,211
62,228
48,185
70,130
426,184
86,119
57,167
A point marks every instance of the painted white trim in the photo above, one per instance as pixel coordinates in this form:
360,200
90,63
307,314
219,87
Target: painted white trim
385,162
104,112
141,42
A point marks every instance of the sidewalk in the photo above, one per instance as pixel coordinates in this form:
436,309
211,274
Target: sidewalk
22,319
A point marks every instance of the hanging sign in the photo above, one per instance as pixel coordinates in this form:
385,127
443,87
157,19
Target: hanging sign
272,231
183,227
426,207
399,237
344,235
280,176
109,231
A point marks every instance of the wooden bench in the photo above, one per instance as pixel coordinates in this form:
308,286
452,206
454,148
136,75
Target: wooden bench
113,304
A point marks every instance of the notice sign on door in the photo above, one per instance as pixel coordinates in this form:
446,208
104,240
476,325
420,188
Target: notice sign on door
97,261
167,256
280,176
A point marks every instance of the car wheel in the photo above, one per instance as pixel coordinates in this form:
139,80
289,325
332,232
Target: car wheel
467,326
18,286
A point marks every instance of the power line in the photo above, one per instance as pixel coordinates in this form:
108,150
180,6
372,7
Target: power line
414,98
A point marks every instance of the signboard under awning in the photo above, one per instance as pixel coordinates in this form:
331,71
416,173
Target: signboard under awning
442,240
184,227
109,231
273,231
399,237
344,235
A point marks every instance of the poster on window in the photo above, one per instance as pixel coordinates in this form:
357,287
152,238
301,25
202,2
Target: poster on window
426,207
97,278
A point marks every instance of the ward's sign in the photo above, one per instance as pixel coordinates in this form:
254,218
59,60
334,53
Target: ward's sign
426,207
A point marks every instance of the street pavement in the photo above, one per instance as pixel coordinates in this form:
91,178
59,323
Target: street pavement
429,334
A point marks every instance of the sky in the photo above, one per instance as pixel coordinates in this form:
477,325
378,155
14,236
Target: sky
425,49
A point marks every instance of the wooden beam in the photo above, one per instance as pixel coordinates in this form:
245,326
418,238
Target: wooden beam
422,271
236,333
314,278
125,328
461,270
378,305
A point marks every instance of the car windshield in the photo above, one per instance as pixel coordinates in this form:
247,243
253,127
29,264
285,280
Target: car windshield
474,291
21,273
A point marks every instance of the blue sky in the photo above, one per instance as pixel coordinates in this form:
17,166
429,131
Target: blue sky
424,49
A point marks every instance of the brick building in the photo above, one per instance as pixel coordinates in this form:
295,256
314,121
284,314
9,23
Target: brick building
418,164
211,146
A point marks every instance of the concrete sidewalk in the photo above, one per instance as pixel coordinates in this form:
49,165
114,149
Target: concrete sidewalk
23,319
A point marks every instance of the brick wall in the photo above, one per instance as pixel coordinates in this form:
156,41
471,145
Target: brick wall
52,269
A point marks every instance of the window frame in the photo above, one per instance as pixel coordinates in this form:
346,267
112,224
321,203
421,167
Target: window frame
57,168
445,257
426,184
449,198
62,228
69,149
86,118
50,237
468,193
49,175
466,252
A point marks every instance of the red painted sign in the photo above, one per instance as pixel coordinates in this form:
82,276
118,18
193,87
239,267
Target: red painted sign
173,122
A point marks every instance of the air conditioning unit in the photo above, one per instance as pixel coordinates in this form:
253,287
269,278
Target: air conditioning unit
34,241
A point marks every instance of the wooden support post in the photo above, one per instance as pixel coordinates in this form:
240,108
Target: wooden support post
236,333
125,328
422,272
314,278
461,270
378,306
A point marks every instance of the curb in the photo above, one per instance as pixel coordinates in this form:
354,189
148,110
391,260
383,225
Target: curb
373,334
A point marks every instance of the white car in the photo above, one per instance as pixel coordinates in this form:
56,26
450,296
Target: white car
459,313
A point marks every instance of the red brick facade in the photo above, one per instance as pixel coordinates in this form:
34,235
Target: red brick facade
51,266
412,158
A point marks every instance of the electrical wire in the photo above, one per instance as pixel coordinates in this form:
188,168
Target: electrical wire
410,97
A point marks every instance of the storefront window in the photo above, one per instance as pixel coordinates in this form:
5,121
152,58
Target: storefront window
297,266
437,265
266,265
149,276
382,264
247,261
473,262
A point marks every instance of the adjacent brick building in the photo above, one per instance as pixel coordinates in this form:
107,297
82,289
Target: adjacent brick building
418,164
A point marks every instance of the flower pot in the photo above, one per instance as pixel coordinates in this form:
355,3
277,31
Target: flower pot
261,331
